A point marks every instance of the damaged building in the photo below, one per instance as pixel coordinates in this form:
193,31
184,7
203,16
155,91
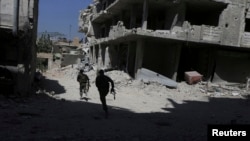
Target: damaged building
67,53
18,31
170,37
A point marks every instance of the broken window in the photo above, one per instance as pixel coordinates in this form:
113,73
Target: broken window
204,13
247,25
156,20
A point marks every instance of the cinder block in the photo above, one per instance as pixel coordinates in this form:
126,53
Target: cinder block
192,77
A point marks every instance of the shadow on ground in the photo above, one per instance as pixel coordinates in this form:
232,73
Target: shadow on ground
52,86
42,117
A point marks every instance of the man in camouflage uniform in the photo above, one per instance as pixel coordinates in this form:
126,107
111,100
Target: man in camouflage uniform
83,80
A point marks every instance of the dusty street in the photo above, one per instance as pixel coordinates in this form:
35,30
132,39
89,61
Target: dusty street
140,112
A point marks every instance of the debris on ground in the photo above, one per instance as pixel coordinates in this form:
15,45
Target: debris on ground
221,89
140,111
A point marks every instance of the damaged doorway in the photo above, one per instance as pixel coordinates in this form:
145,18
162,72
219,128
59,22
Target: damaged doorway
197,57
232,65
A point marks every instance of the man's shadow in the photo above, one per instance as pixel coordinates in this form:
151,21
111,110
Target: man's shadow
85,98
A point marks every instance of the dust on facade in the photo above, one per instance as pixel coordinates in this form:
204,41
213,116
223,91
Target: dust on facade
170,37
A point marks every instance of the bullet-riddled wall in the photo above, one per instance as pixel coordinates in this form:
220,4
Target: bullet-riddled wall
186,35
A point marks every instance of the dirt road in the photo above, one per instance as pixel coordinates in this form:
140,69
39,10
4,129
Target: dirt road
140,112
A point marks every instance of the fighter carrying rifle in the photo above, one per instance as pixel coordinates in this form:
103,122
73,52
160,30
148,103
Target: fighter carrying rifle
83,80
103,84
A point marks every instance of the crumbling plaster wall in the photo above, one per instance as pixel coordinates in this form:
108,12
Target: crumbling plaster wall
232,24
230,21
227,33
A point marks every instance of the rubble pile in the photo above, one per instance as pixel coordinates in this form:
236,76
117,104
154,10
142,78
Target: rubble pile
68,72
224,89
123,81
120,78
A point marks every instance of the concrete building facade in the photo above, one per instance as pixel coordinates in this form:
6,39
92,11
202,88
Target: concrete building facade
170,37
18,32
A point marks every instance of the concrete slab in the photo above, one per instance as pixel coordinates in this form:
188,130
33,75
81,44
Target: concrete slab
150,76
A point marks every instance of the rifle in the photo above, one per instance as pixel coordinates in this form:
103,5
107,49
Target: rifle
87,87
113,92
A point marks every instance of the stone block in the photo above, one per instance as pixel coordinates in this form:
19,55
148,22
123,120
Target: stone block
192,77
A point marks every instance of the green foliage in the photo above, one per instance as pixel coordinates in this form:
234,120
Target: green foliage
42,64
44,43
